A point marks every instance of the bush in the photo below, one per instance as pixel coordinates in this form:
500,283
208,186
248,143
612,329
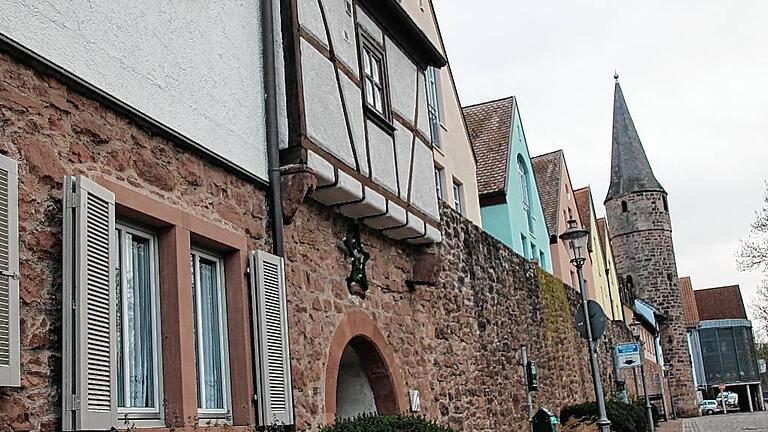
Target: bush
624,417
384,423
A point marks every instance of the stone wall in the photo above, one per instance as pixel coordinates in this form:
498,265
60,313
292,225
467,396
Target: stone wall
53,131
456,342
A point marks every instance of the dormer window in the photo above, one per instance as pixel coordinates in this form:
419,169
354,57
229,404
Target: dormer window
374,81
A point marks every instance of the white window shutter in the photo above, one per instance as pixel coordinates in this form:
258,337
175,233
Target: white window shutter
89,374
10,320
271,349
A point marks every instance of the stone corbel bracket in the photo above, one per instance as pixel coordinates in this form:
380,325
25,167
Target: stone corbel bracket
297,183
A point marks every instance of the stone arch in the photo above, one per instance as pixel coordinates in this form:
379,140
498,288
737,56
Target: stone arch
358,331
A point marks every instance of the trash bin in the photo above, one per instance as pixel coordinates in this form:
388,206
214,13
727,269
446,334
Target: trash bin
544,421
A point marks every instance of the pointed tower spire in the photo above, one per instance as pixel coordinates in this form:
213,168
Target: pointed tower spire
630,170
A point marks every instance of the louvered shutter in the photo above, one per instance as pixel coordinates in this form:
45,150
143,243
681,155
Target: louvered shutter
271,350
10,320
89,380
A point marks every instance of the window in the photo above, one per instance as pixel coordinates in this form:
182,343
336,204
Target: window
525,191
623,206
524,241
137,323
664,203
541,259
534,252
374,78
439,181
210,335
458,197
433,105
570,214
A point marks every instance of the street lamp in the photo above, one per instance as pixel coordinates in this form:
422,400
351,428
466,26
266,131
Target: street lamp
575,239
635,326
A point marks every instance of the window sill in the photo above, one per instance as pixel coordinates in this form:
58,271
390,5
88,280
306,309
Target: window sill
125,422
380,121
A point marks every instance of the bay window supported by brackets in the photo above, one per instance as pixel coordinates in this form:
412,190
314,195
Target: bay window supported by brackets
157,327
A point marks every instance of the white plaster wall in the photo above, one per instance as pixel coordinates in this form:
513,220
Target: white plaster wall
402,82
423,192
403,141
311,19
322,104
354,395
341,26
369,26
193,65
353,98
382,157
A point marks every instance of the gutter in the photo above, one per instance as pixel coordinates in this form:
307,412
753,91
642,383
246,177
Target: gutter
273,144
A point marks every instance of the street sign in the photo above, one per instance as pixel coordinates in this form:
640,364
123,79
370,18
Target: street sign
627,355
596,318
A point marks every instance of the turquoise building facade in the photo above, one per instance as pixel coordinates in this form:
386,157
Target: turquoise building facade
510,205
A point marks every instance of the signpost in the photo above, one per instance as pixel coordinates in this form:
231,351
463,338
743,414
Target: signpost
628,355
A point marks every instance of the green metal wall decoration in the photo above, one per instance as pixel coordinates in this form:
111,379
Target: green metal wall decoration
357,281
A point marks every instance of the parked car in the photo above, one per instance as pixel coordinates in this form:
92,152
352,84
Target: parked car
731,399
709,407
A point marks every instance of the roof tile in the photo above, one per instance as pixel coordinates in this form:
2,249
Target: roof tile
720,303
547,169
690,312
489,125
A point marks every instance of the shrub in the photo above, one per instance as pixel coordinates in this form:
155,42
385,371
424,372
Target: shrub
384,423
624,417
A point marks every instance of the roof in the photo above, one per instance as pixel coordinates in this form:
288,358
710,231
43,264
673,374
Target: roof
548,170
720,303
583,199
690,312
489,125
630,169
602,229
402,28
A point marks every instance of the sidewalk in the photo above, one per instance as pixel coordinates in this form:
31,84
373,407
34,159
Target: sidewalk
671,426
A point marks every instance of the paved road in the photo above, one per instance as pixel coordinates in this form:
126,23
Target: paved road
737,422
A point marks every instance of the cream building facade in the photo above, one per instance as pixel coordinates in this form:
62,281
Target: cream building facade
455,163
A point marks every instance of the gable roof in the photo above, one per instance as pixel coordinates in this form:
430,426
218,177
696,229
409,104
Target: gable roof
720,303
548,171
690,311
583,197
489,125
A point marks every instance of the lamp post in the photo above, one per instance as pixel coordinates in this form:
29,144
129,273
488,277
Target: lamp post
575,239
635,326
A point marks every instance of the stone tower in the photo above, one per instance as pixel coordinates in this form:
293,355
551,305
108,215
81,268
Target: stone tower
641,238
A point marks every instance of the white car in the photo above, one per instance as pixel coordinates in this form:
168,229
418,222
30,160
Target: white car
709,407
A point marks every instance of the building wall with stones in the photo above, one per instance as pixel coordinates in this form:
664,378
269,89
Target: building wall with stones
52,131
641,238
457,342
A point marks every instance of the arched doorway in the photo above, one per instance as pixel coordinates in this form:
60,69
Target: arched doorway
361,376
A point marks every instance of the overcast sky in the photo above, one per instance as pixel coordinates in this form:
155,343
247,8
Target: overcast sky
695,77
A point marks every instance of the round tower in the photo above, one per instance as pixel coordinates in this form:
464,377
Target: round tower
640,229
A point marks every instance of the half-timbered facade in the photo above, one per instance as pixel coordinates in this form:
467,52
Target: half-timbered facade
358,112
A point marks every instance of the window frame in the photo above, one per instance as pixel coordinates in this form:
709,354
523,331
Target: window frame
142,417
367,43
439,186
206,415
432,81
458,196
